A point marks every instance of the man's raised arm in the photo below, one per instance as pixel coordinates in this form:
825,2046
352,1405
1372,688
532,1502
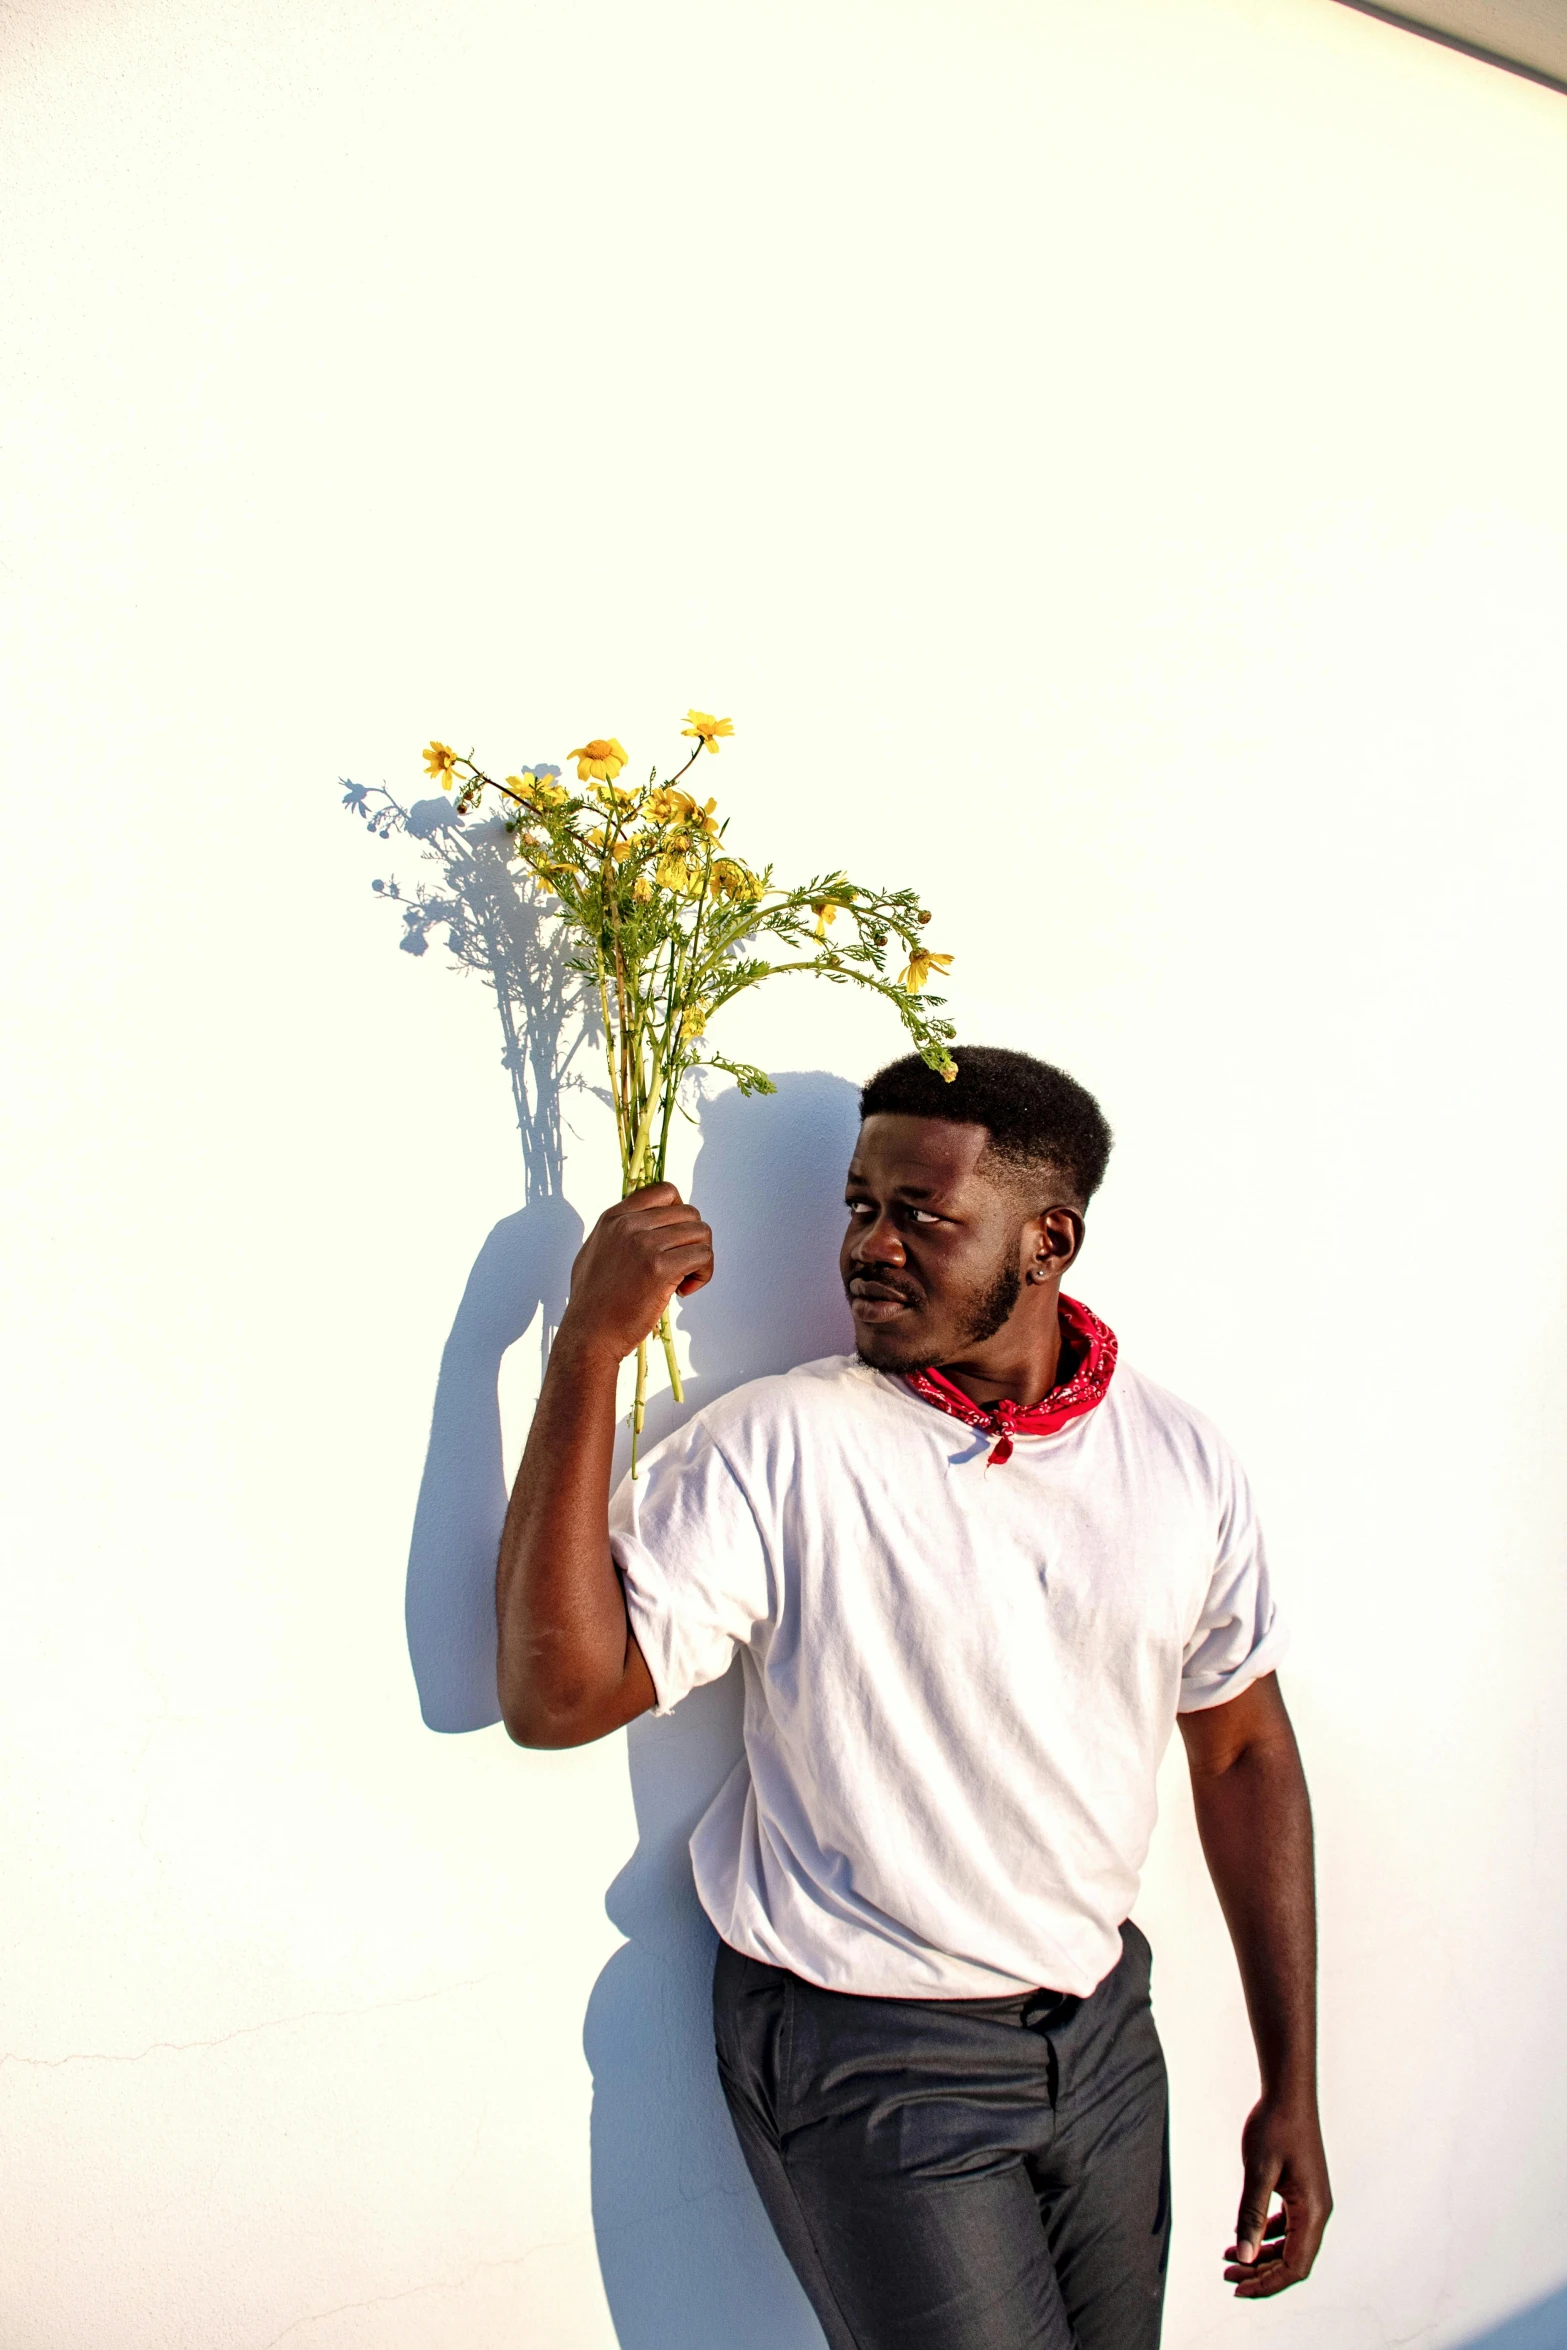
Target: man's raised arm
569,1667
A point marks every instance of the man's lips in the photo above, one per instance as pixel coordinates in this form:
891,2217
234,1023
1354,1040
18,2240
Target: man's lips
877,1301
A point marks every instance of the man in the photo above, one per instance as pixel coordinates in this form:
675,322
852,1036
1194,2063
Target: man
975,1572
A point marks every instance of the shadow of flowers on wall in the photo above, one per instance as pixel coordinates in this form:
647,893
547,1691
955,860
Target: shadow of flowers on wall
688,2259
521,1274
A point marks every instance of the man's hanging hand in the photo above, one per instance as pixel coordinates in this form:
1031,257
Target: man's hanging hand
1283,2156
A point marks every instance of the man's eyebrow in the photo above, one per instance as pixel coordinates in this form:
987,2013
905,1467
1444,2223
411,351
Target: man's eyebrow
901,1190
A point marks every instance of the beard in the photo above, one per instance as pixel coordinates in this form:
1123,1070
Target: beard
994,1308
975,1319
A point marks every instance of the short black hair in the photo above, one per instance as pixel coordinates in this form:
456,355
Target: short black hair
1037,1116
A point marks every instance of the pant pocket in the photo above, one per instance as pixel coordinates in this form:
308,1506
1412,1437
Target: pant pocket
1136,1946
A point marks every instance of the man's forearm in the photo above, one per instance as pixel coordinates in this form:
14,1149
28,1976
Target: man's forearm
561,1616
1254,1818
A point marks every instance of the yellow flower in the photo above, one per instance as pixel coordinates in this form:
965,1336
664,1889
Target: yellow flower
676,871
597,837
825,910
668,806
921,964
694,1021
642,889
621,851
733,880
601,759
706,728
613,796
441,764
538,790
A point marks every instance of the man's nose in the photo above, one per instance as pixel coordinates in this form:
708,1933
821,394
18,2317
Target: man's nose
878,1243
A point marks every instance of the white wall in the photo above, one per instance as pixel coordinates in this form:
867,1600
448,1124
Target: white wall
1110,461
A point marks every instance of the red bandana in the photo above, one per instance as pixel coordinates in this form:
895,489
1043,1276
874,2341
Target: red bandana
1088,1351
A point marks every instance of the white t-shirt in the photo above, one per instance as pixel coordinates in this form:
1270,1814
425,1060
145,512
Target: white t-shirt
959,1679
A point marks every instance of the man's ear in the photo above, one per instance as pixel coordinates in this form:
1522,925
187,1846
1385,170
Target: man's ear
1052,1241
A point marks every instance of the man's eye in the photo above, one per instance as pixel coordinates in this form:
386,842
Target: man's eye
859,1207
924,1216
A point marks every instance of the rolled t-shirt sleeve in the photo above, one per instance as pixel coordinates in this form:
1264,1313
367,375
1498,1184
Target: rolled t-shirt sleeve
1239,1634
685,1539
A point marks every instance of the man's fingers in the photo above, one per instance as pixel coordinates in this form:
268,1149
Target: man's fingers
683,1258
1275,2227
1265,2259
687,1266
1252,2218
1262,2285
674,1240
659,1215
651,1195
1270,2253
1285,2253
1261,2281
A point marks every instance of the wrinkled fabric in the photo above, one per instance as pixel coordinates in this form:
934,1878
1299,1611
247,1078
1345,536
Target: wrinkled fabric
963,2174
959,1682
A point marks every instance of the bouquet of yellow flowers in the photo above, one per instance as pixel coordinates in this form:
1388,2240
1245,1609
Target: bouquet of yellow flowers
667,925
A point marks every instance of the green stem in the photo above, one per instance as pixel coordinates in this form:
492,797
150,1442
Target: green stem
669,1044
690,763
625,1022
644,1125
666,1332
672,1080
609,1055
639,1403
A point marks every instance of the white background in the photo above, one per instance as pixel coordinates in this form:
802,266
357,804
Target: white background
1110,461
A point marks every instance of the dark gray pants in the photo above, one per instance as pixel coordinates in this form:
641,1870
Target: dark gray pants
958,2174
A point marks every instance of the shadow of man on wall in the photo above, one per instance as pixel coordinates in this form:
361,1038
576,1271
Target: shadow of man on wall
688,2258
1542,2326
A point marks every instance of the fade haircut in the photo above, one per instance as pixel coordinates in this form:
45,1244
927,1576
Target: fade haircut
1040,1121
